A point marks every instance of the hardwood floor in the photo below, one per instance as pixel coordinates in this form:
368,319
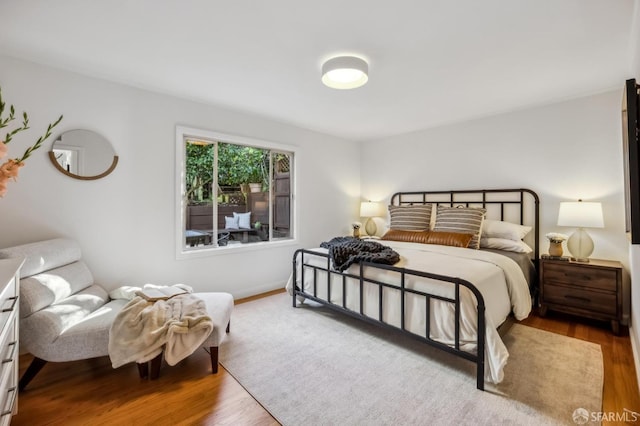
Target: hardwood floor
91,392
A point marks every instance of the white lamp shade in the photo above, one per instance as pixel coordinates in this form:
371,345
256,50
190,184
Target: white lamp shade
371,209
580,214
345,72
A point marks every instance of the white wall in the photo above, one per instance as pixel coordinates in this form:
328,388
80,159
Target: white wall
634,254
563,151
125,222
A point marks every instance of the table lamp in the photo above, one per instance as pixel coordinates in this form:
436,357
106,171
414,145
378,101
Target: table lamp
370,209
581,215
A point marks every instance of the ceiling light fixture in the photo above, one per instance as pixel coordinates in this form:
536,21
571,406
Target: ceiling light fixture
345,72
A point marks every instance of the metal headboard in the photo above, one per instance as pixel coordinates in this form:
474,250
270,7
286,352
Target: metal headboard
520,206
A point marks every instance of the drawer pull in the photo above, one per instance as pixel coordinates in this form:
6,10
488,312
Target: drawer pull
13,350
13,305
13,401
582,299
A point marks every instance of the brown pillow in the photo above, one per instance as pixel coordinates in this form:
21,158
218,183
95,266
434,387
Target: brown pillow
454,239
407,236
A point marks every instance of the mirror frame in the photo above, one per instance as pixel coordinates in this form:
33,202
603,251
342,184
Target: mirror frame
52,156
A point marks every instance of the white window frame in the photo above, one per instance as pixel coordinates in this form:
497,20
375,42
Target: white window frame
183,133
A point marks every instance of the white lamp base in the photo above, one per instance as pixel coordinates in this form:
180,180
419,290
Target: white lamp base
580,245
370,227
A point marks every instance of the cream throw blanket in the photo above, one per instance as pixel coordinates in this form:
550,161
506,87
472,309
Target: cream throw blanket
143,329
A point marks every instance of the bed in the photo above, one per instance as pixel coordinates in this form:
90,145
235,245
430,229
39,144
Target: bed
444,294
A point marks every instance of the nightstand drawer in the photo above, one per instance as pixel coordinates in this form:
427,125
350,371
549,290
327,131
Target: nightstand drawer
598,278
605,303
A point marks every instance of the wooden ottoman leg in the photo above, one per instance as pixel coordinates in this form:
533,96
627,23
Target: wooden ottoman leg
143,369
213,351
154,372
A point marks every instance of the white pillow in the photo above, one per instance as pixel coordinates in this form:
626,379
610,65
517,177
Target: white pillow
506,244
501,229
230,222
244,219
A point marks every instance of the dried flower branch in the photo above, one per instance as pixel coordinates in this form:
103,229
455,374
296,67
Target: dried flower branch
40,140
9,170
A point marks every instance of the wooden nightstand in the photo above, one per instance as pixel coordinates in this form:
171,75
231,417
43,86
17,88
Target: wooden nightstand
592,290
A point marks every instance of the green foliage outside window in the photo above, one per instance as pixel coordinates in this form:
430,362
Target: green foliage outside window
242,164
237,165
199,171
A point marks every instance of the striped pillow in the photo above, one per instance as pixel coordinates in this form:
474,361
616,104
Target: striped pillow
410,218
466,220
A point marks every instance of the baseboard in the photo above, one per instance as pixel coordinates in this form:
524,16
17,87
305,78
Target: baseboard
258,290
636,357
259,296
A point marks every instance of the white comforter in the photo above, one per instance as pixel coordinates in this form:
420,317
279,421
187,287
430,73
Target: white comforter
499,279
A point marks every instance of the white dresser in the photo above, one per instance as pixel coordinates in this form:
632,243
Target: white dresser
9,291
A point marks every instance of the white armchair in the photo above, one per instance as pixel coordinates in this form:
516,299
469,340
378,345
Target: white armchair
64,315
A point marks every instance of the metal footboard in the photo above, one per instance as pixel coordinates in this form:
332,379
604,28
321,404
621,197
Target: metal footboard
301,256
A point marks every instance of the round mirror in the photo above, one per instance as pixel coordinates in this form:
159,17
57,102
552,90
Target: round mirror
83,154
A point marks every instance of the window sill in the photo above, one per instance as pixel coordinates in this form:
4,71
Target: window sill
195,253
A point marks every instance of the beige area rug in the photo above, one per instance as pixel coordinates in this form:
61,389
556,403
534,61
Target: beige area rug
311,366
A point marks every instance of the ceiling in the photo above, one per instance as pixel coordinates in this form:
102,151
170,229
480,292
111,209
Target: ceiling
431,62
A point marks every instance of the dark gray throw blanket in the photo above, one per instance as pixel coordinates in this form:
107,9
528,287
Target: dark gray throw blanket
345,251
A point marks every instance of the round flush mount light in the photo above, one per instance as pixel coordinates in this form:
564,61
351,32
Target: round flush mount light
345,72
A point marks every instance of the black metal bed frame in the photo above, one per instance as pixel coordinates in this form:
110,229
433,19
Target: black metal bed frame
469,198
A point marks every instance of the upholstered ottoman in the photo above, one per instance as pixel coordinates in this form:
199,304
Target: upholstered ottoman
219,307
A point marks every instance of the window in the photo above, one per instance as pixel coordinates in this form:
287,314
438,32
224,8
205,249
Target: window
233,192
